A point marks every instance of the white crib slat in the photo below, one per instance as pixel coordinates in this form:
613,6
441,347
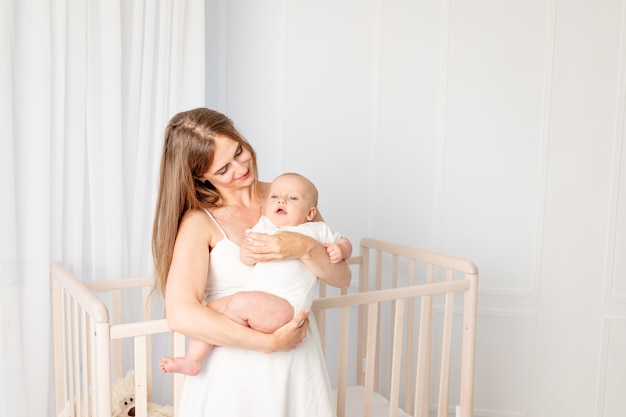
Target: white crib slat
116,318
70,357
102,377
362,329
147,315
76,356
320,319
379,285
87,351
141,375
444,376
422,384
408,375
68,353
392,318
344,330
468,354
396,362
379,270
370,357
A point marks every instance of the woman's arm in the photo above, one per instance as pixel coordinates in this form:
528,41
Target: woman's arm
292,245
184,293
316,259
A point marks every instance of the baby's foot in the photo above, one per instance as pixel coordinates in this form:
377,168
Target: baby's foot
182,365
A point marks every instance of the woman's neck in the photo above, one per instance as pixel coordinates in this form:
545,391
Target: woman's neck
244,199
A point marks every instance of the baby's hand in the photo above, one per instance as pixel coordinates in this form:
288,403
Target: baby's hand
334,253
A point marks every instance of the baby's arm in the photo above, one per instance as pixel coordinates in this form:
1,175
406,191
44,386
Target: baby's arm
339,251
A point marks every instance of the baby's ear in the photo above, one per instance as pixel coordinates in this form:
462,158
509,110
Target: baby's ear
312,213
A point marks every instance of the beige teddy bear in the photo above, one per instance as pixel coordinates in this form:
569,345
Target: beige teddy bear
123,399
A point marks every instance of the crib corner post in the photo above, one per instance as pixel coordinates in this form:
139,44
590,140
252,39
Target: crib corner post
102,363
469,346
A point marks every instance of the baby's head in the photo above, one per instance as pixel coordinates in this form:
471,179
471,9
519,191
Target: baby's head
292,200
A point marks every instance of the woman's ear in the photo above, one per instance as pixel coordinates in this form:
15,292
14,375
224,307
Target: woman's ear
204,182
311,215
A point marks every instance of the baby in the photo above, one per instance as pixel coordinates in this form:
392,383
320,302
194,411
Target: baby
278,290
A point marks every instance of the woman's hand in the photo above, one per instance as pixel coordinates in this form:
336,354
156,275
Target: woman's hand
261,247
290,335
292,245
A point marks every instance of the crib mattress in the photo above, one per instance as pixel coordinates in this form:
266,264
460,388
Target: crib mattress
354,403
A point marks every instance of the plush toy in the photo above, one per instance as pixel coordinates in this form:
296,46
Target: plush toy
123,401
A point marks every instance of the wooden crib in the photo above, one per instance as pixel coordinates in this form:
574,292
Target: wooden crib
401,341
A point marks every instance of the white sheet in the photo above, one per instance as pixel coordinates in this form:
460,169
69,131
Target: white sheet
354,403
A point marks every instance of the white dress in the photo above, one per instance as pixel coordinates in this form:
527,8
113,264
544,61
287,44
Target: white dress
243,383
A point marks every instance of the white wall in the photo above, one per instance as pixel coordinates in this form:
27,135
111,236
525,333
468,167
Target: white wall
489,130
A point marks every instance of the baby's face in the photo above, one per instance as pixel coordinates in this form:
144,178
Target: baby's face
290,202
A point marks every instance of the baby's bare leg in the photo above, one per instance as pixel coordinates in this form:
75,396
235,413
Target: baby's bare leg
191,363
220,304
260,310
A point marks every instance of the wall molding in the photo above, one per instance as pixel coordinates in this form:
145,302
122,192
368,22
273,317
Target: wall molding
531,317
608,323
545,143
616,172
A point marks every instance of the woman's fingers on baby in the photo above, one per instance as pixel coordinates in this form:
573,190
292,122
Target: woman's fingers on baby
255,239
262,247
302,319
293,332
259,243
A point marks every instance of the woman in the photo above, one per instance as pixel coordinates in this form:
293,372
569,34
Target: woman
208,196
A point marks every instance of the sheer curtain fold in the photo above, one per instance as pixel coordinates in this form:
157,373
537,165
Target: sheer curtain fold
68,161
103,136
9,283
86,88
26,67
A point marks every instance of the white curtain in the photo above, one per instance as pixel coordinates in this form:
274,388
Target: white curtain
86,88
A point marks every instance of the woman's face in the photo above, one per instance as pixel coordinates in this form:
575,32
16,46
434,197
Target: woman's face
232,165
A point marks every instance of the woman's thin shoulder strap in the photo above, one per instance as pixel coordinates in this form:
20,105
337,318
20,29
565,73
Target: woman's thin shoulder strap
216,223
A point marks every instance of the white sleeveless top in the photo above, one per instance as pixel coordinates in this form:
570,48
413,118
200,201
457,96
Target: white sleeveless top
227,274
243,383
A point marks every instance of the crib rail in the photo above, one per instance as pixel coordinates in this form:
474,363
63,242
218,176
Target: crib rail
87,344
401,332
80,323
402,288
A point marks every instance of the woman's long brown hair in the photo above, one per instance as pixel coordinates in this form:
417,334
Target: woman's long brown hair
188,151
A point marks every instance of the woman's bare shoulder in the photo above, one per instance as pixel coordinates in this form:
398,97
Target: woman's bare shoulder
198,222
199,227
195,217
